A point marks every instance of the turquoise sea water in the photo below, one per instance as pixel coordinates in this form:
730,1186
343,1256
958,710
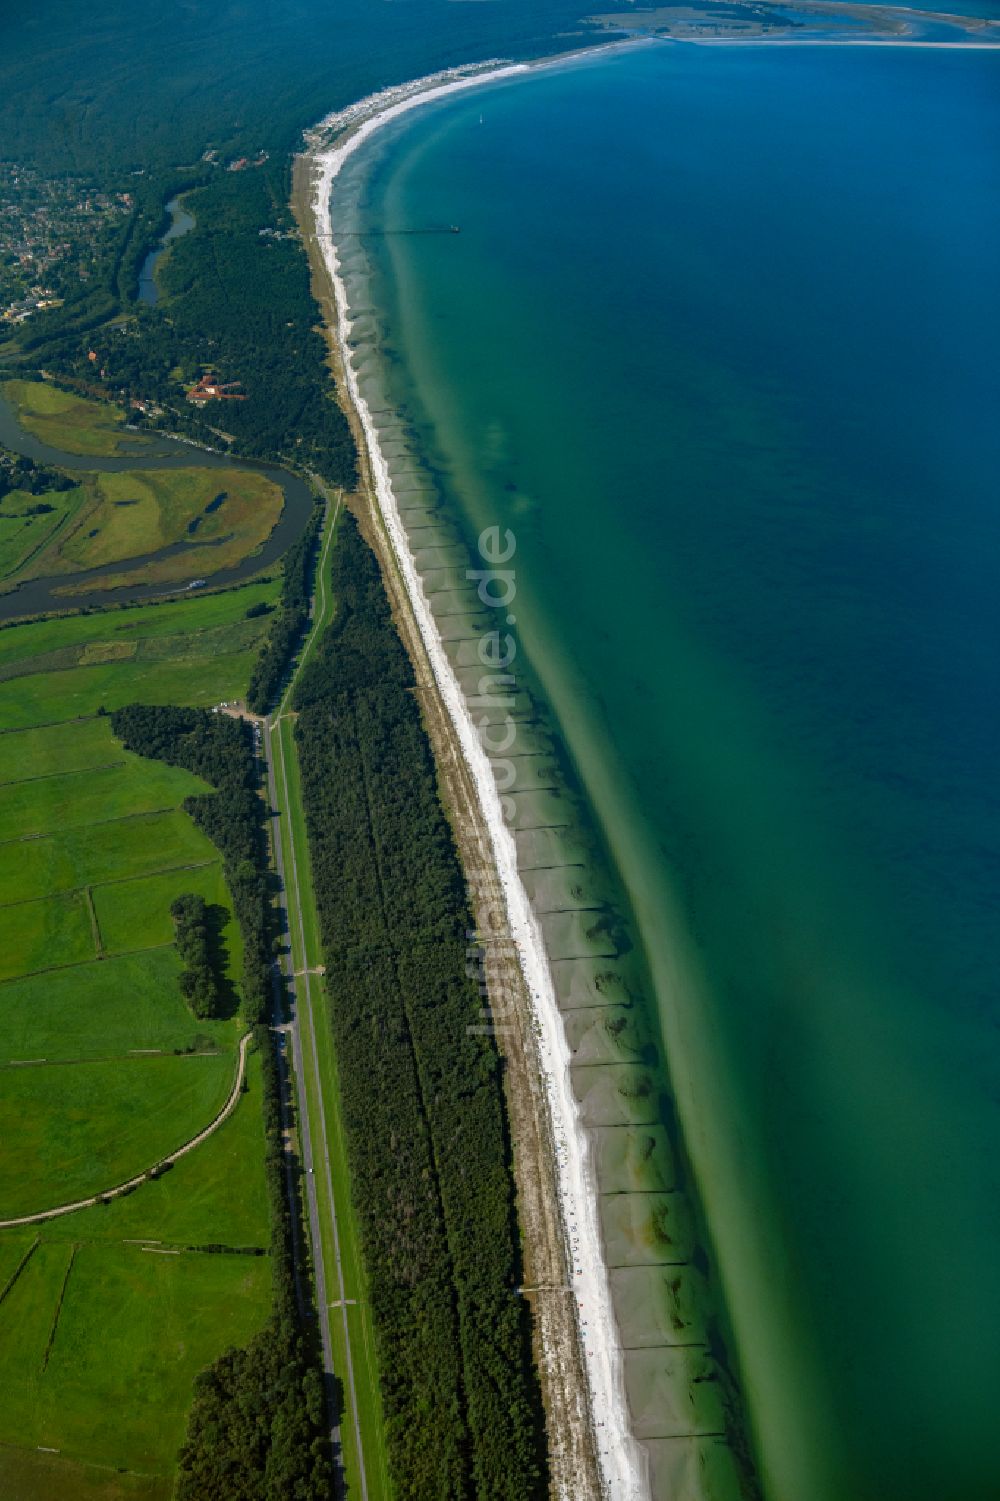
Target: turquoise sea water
718,342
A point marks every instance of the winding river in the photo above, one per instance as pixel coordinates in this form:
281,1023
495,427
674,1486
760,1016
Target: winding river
180,222
38,596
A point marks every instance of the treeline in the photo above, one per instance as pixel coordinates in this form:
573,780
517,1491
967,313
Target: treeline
289,624
201,983
257,1430
422,1097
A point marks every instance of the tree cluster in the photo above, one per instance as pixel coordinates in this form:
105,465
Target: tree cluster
200,979
19,473
287,628
420,1079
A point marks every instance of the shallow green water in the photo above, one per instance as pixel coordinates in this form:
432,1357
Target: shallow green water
717,342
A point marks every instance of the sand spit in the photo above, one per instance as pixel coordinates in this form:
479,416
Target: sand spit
623,1461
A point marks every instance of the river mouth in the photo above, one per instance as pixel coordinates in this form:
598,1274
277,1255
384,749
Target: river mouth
70,591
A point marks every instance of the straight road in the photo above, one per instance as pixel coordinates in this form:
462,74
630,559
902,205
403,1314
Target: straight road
341,1318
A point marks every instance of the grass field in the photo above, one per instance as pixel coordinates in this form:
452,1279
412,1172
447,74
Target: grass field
60,748
28,1475
215,1195
84,1127
43,934
71,423
92,1010
186,617
103,852
22,535
100,1340
136,914
50,697
103,1361
40,805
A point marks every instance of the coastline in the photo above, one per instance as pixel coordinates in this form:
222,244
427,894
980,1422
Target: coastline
621,1472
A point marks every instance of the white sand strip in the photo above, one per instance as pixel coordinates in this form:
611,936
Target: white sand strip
623,1461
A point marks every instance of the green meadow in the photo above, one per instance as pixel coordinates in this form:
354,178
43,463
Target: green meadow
136,914
100,1340
25,533
100,1345
113,851
115,1006
81,1127
69,422
58,801
45,934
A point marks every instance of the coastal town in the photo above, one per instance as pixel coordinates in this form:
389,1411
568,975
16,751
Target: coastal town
52,231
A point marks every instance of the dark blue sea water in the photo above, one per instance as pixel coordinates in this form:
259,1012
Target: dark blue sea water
719,342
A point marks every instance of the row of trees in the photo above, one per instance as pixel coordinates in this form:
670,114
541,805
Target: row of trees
257,1426
421,1087
289,624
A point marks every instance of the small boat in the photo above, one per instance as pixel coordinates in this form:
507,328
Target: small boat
196,583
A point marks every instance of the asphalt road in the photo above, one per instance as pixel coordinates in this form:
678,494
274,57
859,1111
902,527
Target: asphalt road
312,1130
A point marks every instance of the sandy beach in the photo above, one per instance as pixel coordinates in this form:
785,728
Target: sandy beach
623,1464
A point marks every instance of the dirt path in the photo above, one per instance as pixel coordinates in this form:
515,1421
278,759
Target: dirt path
140,1178
565,1391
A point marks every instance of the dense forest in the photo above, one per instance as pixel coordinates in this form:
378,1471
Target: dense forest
258,1423
117,87
423,1102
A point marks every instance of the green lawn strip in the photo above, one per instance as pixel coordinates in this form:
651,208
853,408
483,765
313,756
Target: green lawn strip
294,815
323,602
216,1195
185,616
102,852
74,693
44,934
59,748
97,795
134,1330
28,1475
135,914
111,1006
310,992
80,1128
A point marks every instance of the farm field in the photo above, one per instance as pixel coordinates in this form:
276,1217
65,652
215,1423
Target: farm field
69,422
100,1340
